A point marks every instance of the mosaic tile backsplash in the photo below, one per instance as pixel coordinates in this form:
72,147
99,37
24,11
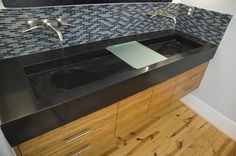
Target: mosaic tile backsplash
99,22
204,24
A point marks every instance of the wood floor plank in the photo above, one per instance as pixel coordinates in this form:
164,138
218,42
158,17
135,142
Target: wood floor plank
229,149
161,140
169,146
218,147
188,139
176,131
164,123
199,122
202,143
168,129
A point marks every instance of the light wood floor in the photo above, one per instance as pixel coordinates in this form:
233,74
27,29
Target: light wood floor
176,131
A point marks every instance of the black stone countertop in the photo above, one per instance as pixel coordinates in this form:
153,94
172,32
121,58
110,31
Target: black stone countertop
24,116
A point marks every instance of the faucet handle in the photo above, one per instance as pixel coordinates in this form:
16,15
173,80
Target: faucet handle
46,22
31,25
63,22
151,13
164,13
30,29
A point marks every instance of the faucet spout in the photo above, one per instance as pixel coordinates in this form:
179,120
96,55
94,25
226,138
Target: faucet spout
48,24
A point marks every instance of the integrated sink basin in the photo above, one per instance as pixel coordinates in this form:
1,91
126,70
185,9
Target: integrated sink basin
59,75
71,73
171,45
88,71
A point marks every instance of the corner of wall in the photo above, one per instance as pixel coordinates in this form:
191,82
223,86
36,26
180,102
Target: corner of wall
5,149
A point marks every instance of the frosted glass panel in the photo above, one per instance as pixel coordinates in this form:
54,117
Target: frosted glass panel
135,54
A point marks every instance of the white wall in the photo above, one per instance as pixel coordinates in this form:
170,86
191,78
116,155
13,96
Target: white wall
176,1
218,88
5,149
1,5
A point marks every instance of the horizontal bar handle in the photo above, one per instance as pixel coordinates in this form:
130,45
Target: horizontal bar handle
78,136
81,150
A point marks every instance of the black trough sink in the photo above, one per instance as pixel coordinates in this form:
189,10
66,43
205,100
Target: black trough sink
61,75
50,78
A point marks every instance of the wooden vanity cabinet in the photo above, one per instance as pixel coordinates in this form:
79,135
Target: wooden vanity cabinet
94,134
161,96
132,112
175,88
188,81
85,136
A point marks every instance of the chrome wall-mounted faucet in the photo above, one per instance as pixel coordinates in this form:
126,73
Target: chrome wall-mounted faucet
154,13
48,24
31,25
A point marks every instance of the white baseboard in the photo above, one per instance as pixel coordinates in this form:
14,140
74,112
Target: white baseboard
213,116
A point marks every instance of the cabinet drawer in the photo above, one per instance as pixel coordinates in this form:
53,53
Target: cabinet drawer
76,133
132,112
161,96
188,81
89,147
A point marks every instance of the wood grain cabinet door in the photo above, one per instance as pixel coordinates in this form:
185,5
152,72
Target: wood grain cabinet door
81,137
188,81
161,96
132,112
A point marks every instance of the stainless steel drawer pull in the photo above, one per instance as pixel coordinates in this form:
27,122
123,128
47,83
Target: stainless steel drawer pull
81,150
78,136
